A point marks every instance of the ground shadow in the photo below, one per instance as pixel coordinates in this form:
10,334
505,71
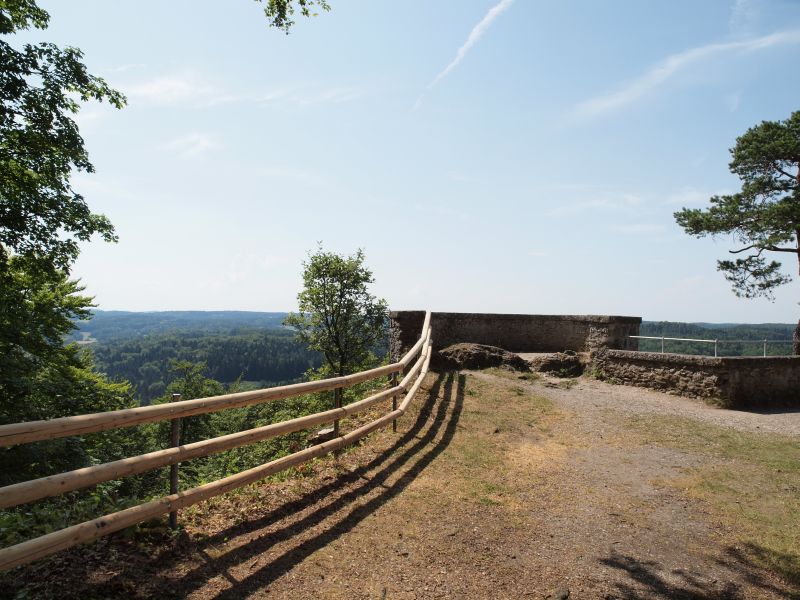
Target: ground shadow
411,452
648,579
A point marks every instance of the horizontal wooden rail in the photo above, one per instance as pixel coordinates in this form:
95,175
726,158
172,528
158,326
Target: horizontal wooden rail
96,528
54,485
33,431
58,484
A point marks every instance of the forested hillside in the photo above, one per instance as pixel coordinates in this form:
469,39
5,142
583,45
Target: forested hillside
718,331
140,347
265,358
111,325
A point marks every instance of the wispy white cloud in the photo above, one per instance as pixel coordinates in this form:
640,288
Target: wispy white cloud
611,202
639,228
91,115
98,186
699,160
308,95
472,39
192,145
662,72
744,14
291,174
687,284
193,91
687,197
440,210
691,197
246,266
333,95
732,100
459,177
171,90
125,68
538,254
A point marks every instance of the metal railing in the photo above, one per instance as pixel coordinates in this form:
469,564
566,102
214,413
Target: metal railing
715,342
45,487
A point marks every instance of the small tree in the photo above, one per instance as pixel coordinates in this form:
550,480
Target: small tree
337,315
764,217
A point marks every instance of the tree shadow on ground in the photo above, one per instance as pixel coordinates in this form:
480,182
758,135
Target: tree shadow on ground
409,455
648,578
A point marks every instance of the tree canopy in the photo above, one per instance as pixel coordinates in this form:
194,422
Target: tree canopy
338,316
764,217
42,219
41,87
279,13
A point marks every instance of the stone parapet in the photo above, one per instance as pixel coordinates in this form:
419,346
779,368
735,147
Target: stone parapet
733,382
516,332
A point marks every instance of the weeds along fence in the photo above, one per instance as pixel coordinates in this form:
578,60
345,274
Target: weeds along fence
29,491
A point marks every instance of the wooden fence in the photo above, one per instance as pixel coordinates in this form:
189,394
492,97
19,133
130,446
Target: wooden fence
29,491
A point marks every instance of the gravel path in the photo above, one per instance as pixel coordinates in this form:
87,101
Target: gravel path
589,393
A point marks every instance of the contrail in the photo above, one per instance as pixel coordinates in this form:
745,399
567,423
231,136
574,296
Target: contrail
474,35
660,73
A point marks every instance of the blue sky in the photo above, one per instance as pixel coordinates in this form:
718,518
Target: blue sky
495,156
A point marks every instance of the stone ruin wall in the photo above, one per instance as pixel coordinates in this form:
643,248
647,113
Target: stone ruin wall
732,382
516,333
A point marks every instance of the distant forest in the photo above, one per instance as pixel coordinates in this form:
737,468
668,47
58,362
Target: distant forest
718,331
259,358
106,326
141,348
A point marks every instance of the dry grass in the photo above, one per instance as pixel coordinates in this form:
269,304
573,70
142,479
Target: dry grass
752,480
503,423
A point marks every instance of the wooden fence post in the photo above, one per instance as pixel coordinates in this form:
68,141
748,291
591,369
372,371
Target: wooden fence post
337,401
393,383
175,441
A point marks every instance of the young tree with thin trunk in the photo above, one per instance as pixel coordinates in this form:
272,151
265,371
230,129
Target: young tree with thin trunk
337,315
764,217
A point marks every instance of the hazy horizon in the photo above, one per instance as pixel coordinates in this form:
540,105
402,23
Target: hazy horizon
167,310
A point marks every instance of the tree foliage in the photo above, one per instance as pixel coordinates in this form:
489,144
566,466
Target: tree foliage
41,87
279,13
40,377
259,357
764,217
42,219
338,316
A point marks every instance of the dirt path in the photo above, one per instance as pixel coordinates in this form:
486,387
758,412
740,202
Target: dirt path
589,395
493,488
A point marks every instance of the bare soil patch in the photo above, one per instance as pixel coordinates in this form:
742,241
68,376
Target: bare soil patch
494,487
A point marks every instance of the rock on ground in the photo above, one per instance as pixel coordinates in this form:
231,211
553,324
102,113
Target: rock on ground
477,356
560,364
